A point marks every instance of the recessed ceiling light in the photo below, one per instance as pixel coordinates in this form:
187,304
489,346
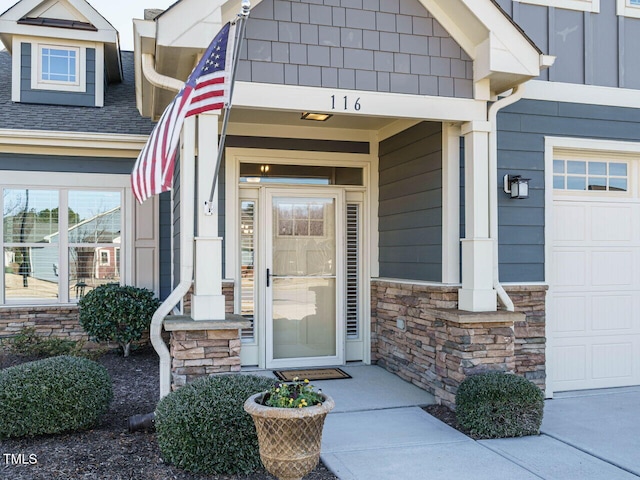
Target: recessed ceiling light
318,117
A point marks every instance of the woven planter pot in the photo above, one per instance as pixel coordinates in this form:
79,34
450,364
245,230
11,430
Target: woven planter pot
289,438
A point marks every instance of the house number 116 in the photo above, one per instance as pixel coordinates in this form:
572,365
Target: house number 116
345,101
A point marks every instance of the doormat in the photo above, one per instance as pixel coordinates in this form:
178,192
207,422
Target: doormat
311,374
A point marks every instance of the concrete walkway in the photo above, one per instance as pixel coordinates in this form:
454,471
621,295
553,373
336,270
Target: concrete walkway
378,432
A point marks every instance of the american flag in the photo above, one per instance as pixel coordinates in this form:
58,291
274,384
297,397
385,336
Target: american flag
206,89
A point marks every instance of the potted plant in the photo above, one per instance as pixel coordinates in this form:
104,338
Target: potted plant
289,419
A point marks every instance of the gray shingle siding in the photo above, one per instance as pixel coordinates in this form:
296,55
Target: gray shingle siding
410,208
398,50
522,128
119,114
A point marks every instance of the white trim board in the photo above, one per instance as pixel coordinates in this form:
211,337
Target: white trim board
586,94
580,5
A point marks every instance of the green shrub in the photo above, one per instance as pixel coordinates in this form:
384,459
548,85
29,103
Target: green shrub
53,395
498,405
28,342
115,313
202,427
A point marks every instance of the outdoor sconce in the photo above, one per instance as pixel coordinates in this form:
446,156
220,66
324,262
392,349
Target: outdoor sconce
516,186
264,169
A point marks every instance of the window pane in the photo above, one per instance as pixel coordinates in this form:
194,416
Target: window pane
94,217
597,168
31,272
618,184
597,183
87,270
558,166
30,216
618,169
558,182
576,183
576,167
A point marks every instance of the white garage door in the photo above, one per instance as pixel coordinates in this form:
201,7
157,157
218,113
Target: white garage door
594,315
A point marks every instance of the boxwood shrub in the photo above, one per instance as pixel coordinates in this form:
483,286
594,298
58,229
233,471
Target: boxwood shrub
498,405
53,395
117,313
203,428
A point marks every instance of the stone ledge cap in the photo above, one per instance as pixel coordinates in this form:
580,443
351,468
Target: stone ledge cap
184,322
465,317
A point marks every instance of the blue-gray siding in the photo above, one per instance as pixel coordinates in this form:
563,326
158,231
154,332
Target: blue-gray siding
591,48
410,208
165,244
521,131
52,97
385,46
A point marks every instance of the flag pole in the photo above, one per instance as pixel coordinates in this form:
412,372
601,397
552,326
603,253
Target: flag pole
242,19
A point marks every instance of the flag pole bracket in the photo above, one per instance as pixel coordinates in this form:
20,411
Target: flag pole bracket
208,208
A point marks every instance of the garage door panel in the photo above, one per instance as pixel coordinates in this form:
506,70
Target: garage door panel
571,314
612,268
569,268
611,223
569,224
612,360
612,312
570,363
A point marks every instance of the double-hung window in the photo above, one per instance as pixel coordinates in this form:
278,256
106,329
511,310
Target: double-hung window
628,8
59,243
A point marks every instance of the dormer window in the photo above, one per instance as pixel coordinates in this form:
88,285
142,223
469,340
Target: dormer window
58,67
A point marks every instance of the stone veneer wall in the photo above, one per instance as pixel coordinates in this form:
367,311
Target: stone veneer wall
418,334
49,321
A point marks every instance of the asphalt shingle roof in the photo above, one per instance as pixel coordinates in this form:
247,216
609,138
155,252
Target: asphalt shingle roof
119,114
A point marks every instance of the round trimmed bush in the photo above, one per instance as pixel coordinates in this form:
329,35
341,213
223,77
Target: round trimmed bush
117,313
203,428
498,405
53,395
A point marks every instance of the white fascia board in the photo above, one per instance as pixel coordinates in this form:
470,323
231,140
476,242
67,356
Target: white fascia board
314,99
12,28
144,41
455,18
585,94
51,139
191,24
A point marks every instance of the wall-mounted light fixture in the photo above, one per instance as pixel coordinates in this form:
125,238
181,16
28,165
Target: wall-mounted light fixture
516,186
318,117
264,169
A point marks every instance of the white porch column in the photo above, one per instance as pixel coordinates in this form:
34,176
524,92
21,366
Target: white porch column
207,302
477,293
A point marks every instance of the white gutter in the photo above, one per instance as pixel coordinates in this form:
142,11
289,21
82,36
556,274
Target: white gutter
516,95
157,79
187,181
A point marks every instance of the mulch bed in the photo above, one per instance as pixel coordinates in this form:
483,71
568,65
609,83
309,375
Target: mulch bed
109,452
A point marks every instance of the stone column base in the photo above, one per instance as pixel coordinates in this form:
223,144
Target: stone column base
201,348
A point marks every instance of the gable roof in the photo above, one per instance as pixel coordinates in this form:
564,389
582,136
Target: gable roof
119,114
74,20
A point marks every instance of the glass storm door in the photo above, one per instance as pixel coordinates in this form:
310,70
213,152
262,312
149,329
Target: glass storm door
303,272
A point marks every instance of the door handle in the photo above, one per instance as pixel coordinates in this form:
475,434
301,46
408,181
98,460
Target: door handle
268,277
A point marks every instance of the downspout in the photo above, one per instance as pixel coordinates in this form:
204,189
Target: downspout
157,79
516,95
187,180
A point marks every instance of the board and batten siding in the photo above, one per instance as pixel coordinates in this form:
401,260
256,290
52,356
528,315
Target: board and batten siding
52,97
389,46
410,204
591,48
522,128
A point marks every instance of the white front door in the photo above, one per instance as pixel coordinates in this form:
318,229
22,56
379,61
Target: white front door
303,232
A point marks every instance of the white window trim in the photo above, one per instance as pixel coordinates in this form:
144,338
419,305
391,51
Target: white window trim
626,9
108,255
75,181
37,83
581,5
619,149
